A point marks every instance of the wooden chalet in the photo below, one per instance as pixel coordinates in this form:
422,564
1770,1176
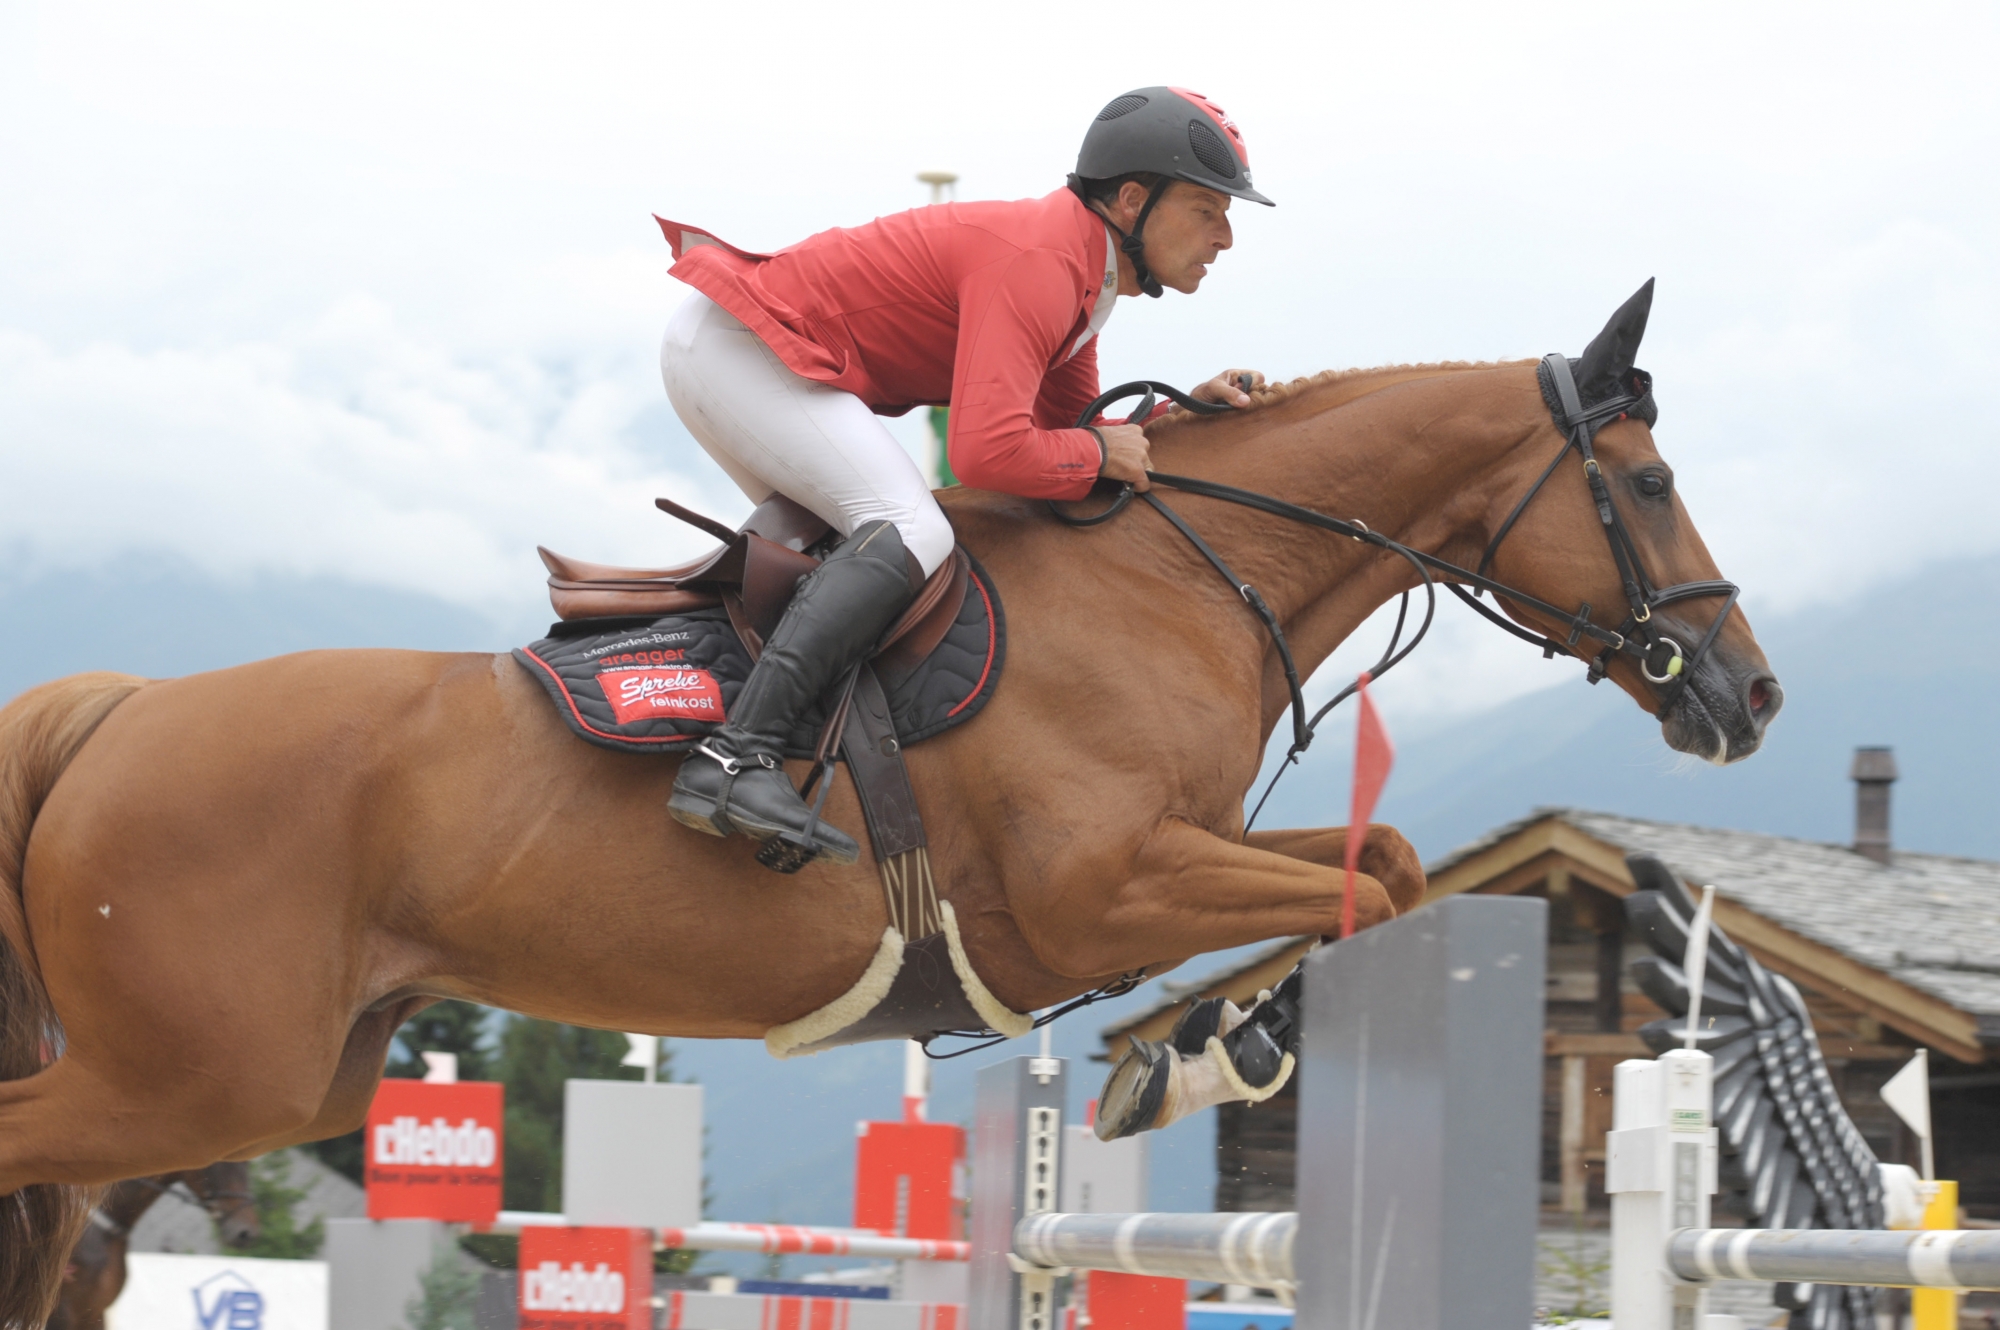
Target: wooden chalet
1892,950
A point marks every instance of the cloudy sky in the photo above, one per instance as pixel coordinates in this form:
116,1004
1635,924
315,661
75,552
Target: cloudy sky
368,288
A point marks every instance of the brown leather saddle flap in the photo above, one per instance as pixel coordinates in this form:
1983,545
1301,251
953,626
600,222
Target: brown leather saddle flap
753,575
929,618
764,558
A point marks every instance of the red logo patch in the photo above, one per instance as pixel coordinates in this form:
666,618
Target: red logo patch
434,1151
661,692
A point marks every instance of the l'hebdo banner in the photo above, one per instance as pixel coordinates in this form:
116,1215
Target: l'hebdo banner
586,1279
433,1151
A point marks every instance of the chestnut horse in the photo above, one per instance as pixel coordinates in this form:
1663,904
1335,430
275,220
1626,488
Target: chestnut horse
361,833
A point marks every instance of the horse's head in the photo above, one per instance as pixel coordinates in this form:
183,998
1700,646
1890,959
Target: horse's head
224,1191
1606,529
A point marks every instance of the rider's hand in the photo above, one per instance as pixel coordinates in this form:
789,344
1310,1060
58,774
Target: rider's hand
1127,455
1227,387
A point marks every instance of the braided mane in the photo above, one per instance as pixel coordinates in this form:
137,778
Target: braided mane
1347,384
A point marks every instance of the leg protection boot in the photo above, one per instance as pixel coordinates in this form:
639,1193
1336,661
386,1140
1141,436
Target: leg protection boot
736,782
1156,1083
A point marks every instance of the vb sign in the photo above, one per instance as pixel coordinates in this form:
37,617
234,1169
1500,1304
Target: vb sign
433,1151
586,1278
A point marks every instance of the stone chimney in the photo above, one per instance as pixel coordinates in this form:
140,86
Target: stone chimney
1874,771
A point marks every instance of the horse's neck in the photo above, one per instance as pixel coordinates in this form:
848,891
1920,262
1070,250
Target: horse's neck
1401,461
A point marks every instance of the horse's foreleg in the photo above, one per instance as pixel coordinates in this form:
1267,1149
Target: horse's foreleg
1386,856
1189,892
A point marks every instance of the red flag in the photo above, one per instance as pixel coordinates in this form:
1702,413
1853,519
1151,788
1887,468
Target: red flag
1373,756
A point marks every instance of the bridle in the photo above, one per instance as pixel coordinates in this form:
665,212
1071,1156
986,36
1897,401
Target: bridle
1637,636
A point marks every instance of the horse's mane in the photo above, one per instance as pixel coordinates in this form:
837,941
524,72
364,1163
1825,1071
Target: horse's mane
1345,385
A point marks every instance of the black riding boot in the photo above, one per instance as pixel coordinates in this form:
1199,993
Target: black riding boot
736,781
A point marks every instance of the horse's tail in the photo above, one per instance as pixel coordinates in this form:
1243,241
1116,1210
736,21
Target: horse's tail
41,731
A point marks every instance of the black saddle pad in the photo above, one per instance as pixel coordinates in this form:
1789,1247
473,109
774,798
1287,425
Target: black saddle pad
655,684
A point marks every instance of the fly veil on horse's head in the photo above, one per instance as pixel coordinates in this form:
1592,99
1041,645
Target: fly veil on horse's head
1709,701
1605,369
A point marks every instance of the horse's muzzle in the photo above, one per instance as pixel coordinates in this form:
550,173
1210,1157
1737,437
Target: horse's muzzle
1723,713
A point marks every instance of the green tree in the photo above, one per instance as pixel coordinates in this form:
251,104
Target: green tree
536,1057
450,1026
447,1293
276,1198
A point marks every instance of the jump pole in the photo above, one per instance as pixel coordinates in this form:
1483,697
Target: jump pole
1419,1134
1661,1172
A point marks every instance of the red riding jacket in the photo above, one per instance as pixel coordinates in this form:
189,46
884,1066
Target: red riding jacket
979,306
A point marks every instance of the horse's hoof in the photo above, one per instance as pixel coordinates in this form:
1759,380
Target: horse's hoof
1134,1091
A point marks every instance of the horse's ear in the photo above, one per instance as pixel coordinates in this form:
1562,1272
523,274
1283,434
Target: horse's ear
1606,364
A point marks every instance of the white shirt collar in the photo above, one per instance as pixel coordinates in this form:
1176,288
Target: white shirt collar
1107,296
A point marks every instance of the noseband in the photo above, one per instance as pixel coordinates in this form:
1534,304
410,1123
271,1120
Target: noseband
1637,636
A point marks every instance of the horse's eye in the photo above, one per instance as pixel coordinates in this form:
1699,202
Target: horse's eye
1652,484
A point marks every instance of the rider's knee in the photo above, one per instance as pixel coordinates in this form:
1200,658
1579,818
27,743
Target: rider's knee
928,536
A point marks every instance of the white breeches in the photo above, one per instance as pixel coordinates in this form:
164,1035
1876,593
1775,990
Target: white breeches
777,432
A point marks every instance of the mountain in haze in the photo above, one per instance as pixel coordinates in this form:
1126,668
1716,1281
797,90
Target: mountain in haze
162,617
1914,665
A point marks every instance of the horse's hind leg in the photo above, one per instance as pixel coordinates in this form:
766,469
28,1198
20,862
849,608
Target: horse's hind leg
175,1053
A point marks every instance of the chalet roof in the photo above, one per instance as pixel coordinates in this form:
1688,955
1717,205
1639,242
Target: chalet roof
1929,920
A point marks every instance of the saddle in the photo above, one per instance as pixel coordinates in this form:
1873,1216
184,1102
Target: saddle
751,576
650,660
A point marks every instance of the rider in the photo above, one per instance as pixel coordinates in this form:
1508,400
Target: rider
779,364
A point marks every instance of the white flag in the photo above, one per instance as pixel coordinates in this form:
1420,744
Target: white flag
645,1052
1908,1092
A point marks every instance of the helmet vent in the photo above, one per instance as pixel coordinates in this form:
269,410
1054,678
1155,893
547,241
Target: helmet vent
1125,105
1209,149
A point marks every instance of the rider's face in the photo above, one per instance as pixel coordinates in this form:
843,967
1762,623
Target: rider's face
1188,228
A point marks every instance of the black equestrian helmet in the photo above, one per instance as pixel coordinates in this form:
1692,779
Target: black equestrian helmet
1173,132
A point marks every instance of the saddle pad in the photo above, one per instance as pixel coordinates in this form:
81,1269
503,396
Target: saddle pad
663,683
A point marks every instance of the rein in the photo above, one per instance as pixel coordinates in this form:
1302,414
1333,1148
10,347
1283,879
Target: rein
1635,636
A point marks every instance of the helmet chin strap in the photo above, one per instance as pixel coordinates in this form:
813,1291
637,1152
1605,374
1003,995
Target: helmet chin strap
1134,242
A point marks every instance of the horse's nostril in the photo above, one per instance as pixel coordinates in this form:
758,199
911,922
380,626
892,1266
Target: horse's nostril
1764,697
